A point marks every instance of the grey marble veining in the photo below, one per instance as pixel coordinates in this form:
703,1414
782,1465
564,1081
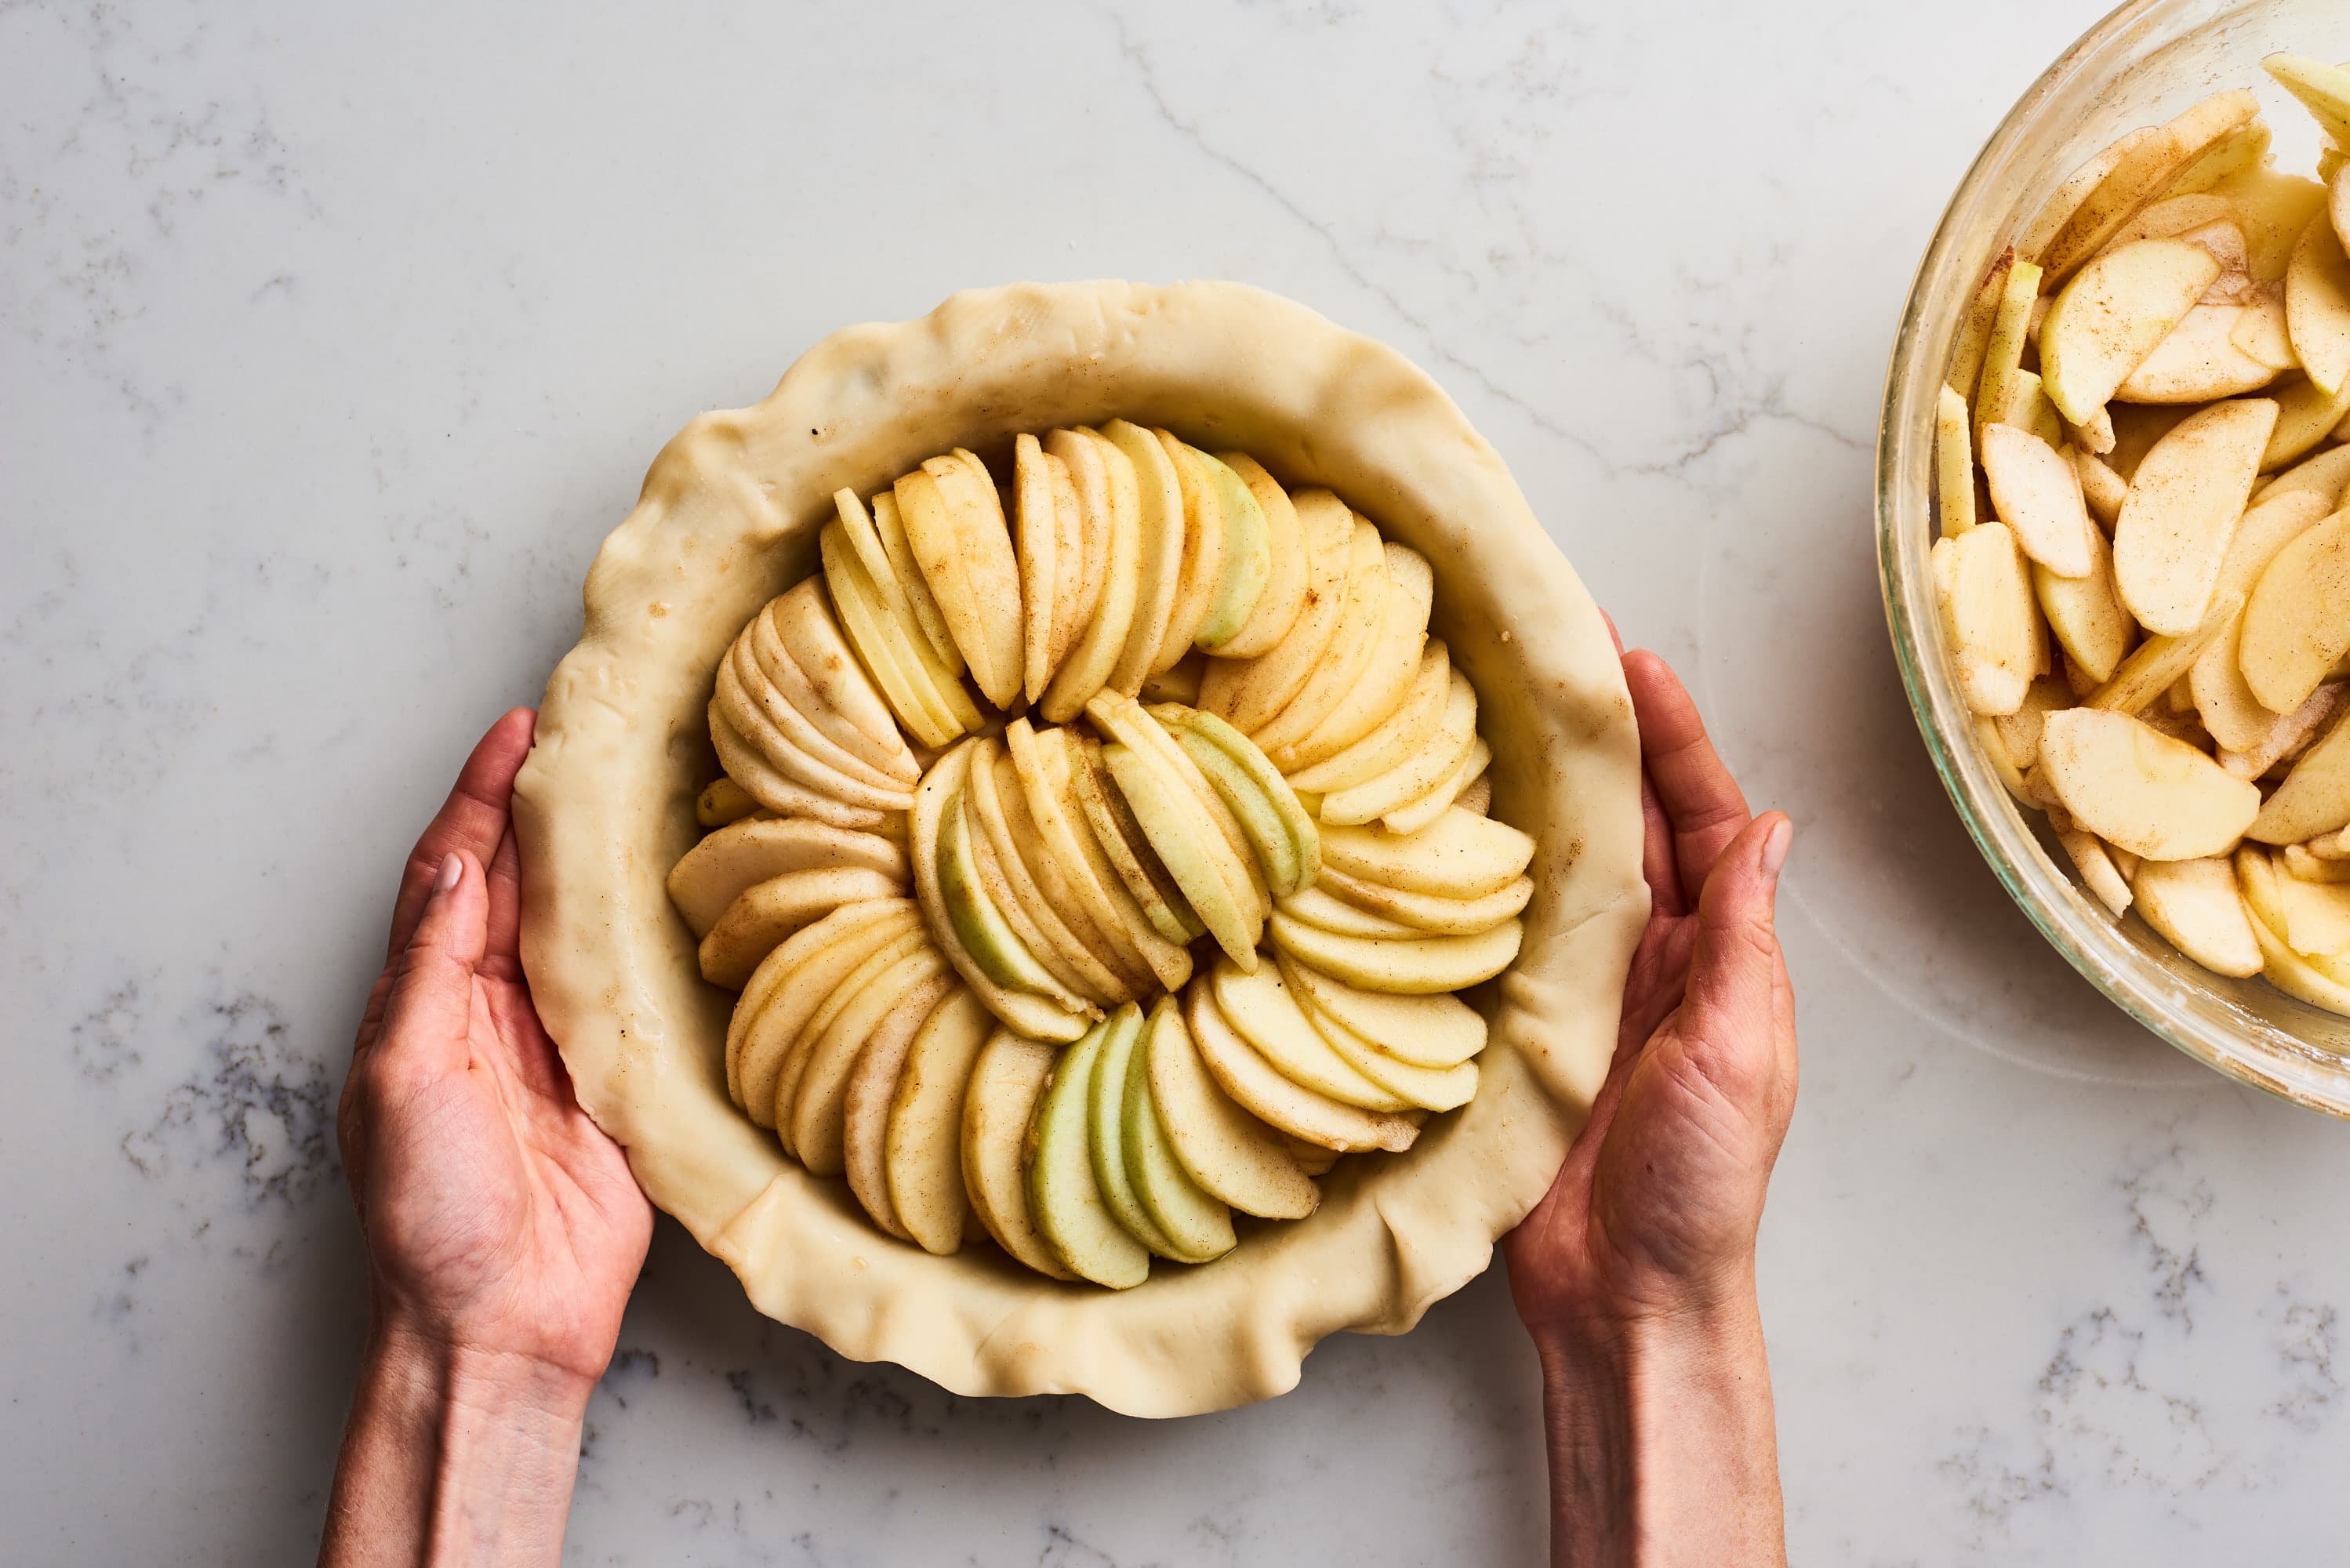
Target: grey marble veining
332,341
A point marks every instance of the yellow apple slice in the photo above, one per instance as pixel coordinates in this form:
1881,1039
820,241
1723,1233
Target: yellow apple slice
1037,537
1413,815
1283,592
1410,968
910,593
1037,1016
923,1150
1252,1082
2173,217
1073,958
2098,873
1197,1225
2102,489
1317,905
2183,505
2306,416
1203,552
2136,787
2298,861
1351,650
1972,339
1429,1088
2003,350
2289,737
2316,917
1229,1153
1996,641
1261,1007
818,1109
1072,984
1458,856
1106,1132
2314,797
715,872
2246,146
2112,314
1064,1200
1238,864
1187,844
2037,493
768,912
800,708
965,552
802,644
722,803
982,927
1280,834
2317,304
2230,710
1954,465
872,1090
1121,838
1158,536
1250,692
2296,623
2159,662
2273,208
2262,331
881,643
1109,495
2086,612
1387,678
1402,734
2197,907
1428,913
2198,361
1447,749
2067,198
749,766
799,974
878,965
864,539
1437,1032
2142,174
754,708
2323,477
2323,89
2019,732
1076,582
1006,1082
1056,886
1248,557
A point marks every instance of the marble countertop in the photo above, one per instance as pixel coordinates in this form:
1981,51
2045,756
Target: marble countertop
332,340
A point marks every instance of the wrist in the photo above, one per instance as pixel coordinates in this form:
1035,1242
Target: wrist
454,1373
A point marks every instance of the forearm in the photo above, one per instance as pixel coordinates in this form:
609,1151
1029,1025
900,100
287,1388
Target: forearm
453,1457
1662,1444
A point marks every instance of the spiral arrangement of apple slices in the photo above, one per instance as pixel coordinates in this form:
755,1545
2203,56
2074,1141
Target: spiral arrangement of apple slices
2116,482
1100,862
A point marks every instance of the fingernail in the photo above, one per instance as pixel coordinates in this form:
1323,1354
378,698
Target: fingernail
453,871
1782,838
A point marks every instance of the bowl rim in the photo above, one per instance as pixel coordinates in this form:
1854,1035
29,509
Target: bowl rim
2255,1052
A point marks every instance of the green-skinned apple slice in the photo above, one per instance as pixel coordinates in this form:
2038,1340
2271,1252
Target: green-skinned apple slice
1387,680
1239,863
820,1099
1071,984
1446,751
1110,496
1261,1007
982,928
1458,856
792,982
1284,593
881,643
1430,1088
1064,1198
768,912
1429,913
1004,872
1247,563
1249,693
1006,1082
1281,1103
922,1156
1106,1132
1437,1032
1159,497
1062,889
1244,754
1402,734
728,863
1197,1225
1203,554
1176,820
872,1088
1121,838
1417,967
1232,1156
1351,650
1268,836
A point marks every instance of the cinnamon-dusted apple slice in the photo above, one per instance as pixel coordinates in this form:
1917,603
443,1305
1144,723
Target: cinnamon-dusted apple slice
1247,565
2101,487
2306,416
2315,795
1428,912
2086,612
1954,465
1429,1088
2158,663
1288,844
792,981
2112,314
754,708
2262,331
955,524
1128,847
2323,89
1231,1156
807,719
1077,582
2197,361
766,913
1413,815
1110,498
872,1088
2230,710
1352,648
1286,1105
1419,967
923,1154
1047,583
2178,216
784,796
882,644
1458,856
2011,334
2246,146
880,966
1402,734
1447,749
1203,552
916,983
1197,1225
2297,621
1078,982
1283,592
2195,904
1317,905
2289,737
2317,304
2296,860
1261,1008
1439,1031
1250,884
1996,641
1071,955
722,867
808,655
1250,692
2323,477
723,802
2067,198
1091,919
1158,494
2316,917
1106,1132
2137,788
2183,505
1006,1082
1187,844
981,926
1064,1200
2037,493
2142,174
2098,873
908,596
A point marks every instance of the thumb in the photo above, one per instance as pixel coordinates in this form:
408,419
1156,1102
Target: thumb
429,1012
1728,1010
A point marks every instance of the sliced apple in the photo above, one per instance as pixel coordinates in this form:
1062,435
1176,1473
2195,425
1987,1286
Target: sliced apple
1065,1199
2197,361
2098,873
1077,980
2173,535
819,1129
1160,536
807,715
2112,314
1076,958
1403,735
954,525
1386,680
751,707
2323,477
1415,815
2323,89
1954,465
1243,776
1270,1018
2142,174
1291,1107
1006,1082
1103,1094
1458,856
1477,800
1413,968
2317,304
2289,737
1437,1032
2196,905
1429,1088
1428,913
878,967
1356,643
2273,208
2019,732
2067,197
1109,496
2038,495
1076,582
1186,844
2230,710
792,982
2316,916
722,867
1036,536
804,632
910,586
723,802
1122,839
2297,621
748,766
1317,905
1121,716
1283,592
2306,416
767,914
1203,552
922,1155
2246,146
1990,615
2086,612
1198,1227
2314,797
980,925
2260,330
882,644
870,1092
2297,860
2136,787
1447,749
1091,919
1969,345
1250,692
1229,1153
2003,350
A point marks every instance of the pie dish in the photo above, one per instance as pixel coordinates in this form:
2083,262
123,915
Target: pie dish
729,519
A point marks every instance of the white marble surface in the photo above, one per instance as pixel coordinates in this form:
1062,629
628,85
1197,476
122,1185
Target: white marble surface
332,340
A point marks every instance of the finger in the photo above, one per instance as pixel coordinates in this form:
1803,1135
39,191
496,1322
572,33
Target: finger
1657,866
1700,798
1614,636
471,821
1732,1014
504,955
429,1018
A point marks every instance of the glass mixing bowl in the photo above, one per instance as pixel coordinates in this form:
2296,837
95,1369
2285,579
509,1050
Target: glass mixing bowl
2139,66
